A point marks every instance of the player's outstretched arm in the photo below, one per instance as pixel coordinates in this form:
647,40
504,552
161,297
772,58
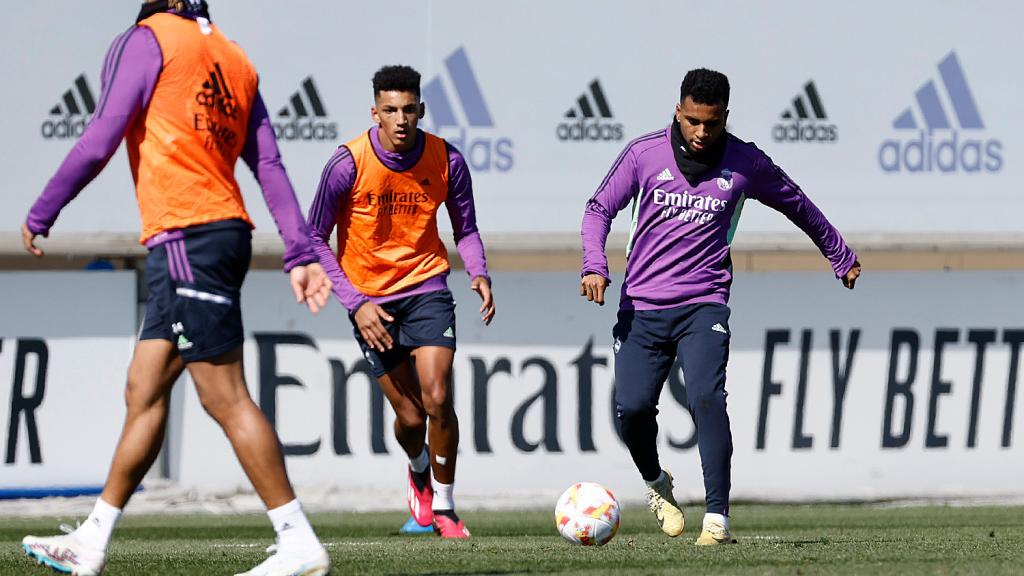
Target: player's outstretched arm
309,283
462,212
331,195
616,191
775,189
129,77
482,286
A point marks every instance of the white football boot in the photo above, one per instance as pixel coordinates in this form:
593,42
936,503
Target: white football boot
292,563
65,553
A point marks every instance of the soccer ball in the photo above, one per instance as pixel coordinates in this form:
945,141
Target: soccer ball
587,514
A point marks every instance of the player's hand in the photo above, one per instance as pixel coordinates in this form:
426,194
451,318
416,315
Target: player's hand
28,239
311,286
368,320
851,277
482,286
592,288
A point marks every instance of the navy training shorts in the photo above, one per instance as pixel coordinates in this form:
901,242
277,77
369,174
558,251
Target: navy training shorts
420,320
194,279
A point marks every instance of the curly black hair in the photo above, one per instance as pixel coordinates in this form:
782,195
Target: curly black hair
705,87
396,78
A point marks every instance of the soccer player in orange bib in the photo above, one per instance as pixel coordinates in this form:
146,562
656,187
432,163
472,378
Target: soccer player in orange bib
383,190
185,99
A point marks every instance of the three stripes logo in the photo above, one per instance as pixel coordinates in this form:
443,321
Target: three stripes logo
482,152
305,117
938,144
806,120
590,119
72,113
215,95
218,105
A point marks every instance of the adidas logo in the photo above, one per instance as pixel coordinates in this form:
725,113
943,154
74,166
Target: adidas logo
449,333
593,113
183,342
665,176
425,182
719,328
803,124
938,145
481,153
801,108
72,113
215,95
301,118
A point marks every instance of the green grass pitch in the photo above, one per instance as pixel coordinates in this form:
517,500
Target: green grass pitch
773,539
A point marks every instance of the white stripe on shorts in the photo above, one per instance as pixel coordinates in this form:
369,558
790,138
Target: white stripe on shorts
204,296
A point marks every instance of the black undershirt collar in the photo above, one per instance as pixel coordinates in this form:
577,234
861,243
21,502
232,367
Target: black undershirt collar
192,9
693,166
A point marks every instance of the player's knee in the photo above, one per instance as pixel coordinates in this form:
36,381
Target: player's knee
708,402
218,404
410,417
437,401
635,409
140,395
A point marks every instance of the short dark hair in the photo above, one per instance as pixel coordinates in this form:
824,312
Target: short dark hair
398,79
705,87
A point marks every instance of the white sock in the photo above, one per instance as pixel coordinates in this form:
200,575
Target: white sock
420,463
660,482
292,527
715,520
95,532
443,499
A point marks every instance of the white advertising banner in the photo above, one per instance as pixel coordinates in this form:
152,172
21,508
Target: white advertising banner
905,387
65,343
889,121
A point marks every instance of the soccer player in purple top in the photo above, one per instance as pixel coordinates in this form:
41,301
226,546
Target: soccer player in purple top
383,190
167,81
687,184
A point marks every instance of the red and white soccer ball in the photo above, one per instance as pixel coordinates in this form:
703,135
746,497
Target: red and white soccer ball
587,514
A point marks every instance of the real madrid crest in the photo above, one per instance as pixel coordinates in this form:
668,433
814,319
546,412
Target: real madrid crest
725,180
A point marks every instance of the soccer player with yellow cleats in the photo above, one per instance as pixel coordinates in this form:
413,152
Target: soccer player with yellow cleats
663,504
715,531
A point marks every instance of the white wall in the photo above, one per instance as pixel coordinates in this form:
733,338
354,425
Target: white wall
546,338
65,342
532,60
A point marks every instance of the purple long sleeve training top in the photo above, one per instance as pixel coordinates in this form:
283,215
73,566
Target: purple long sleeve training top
129,76
678,249
335,190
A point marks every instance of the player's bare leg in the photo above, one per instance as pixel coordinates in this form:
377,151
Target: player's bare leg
220,384
402,389
154,369
433,369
